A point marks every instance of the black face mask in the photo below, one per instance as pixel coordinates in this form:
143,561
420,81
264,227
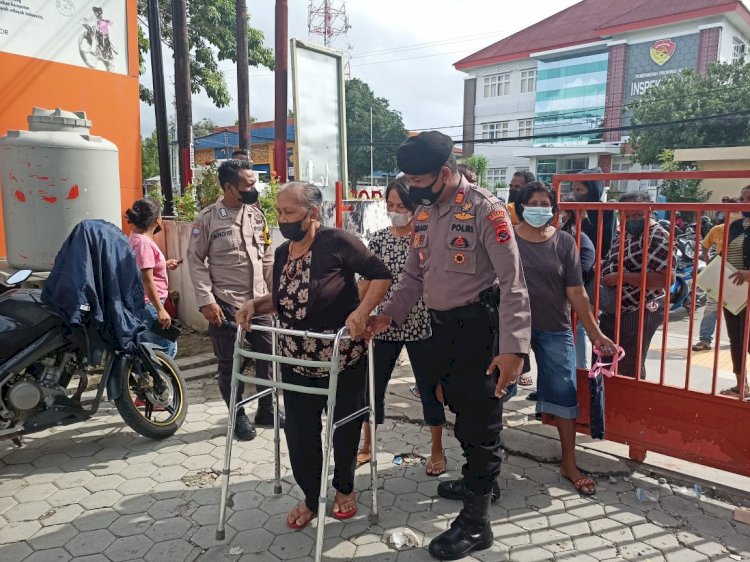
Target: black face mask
581,197
249,197
292,230
746,214
635,227
157,229
424,195
514,195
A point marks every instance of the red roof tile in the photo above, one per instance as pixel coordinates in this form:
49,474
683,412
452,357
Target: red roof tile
585,22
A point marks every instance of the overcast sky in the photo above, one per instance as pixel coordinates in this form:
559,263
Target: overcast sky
404,49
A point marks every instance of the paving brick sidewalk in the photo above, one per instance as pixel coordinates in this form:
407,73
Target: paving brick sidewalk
98,492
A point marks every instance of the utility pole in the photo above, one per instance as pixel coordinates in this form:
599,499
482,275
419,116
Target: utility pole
372,170
280,89
243,77
160,104
183,93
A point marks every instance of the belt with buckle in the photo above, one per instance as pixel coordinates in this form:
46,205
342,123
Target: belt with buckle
455,314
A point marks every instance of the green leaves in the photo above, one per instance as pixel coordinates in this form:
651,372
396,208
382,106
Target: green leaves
725,90
387,131
211,33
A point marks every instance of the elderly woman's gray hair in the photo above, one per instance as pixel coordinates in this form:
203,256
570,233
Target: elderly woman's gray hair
308,195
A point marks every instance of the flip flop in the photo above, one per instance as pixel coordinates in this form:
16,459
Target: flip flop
360,462
526,380
343,515
436,468
581,484
734,391
299,526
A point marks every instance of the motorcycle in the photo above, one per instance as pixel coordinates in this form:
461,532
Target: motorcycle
45,367
680,293
95,48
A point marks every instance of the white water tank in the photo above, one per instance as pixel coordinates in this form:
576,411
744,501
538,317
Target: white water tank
53,176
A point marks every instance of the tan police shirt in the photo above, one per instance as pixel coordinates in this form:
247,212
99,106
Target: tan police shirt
458,249
230,255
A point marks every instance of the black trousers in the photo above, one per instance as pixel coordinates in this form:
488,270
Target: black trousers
223,342
420,354
629,338
303,429
736,333
462,351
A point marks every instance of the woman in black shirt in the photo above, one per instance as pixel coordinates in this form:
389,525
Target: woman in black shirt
314,289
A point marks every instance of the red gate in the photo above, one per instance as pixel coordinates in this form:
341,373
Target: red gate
680,415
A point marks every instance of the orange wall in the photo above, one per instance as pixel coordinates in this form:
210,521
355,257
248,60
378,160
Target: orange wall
110,101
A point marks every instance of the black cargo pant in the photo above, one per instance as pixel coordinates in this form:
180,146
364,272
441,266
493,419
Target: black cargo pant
223,339
462,352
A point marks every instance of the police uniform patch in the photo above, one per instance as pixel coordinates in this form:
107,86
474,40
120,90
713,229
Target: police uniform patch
467,206
460,196
502,233
422,256
419,241
423,216
460,242
223,213
496,215
266,235
459,258
463,216
196,231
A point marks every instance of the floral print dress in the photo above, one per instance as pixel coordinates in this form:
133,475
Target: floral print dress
294,295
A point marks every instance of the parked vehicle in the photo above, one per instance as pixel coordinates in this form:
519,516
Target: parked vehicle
47,355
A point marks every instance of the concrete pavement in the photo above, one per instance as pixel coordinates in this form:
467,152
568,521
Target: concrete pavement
98,492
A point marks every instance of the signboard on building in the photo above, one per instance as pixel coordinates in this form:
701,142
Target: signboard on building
650,62
87,33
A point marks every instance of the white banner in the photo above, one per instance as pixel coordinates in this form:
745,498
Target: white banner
87,33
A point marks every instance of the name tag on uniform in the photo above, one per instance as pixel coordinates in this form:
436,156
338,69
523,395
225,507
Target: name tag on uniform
223,213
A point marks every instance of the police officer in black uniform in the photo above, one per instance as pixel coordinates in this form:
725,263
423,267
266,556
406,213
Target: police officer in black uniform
465,264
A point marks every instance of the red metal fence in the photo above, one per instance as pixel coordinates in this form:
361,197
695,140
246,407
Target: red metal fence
684,416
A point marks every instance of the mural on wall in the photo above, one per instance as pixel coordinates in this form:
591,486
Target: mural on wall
87,33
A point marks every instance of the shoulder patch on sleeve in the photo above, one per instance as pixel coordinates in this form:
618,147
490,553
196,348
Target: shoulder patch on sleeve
197,229
502,232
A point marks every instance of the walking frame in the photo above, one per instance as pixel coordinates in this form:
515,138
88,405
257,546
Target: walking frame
273,387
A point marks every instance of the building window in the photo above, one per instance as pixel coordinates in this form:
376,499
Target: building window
495,176
528,81
525,127
497,85
623,167
495,130
739,51
645,184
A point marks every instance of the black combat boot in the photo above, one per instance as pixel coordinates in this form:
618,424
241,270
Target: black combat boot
469,532
243,429
455,490
264,415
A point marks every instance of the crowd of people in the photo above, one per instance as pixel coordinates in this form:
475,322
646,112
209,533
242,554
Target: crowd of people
467,285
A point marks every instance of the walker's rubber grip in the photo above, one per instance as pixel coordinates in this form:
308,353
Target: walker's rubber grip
220,535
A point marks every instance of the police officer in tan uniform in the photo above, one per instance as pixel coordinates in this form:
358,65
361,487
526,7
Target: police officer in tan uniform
231,261
465,264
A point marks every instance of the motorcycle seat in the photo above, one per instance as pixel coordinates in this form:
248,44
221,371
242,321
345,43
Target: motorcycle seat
23,319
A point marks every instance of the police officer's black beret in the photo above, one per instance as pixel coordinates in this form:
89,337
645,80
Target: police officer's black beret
424,153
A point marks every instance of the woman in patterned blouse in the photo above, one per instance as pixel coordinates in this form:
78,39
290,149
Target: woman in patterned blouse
314,290
391,245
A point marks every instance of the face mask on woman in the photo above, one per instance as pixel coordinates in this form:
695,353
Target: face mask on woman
399,219
537,216
293,230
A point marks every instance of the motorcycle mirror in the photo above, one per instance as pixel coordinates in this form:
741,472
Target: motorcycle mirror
18,277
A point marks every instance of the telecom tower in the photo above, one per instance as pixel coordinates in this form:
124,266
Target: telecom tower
330,22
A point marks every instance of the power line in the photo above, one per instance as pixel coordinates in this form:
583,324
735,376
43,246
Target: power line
418,46
732,115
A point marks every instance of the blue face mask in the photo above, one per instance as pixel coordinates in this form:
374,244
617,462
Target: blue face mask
537,216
